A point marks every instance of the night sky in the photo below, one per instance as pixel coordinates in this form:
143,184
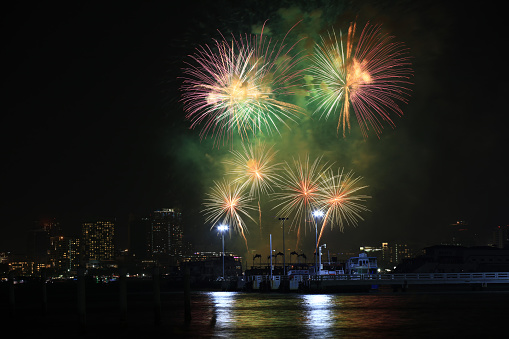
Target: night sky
92,125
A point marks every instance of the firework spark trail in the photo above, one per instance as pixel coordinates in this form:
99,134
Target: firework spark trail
237,87
254,168
299,190
260,217
226,203
340,200
370,77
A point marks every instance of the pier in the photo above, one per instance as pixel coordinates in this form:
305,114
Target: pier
416,278
401,280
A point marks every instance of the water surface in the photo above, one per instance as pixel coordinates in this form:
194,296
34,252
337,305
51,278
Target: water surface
240,315
380,314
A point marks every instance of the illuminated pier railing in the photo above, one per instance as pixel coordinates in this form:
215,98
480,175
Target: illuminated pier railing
418,278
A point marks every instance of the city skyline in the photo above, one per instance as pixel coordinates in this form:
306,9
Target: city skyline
160,233
94,126
158,242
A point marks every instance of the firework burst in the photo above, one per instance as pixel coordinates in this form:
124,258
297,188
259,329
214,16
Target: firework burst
340,200
254,168
300,189
238,86
368,74
226,203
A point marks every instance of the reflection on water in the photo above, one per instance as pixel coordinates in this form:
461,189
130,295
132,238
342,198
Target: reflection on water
318,314
265,315
306,315
223,306
273,315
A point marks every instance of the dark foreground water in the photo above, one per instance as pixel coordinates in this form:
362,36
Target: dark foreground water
230,314
256,315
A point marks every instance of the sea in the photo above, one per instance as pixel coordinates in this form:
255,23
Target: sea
219,314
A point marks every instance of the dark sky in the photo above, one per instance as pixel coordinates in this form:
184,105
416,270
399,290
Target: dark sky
92,125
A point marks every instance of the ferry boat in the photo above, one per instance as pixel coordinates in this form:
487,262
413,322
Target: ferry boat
362,265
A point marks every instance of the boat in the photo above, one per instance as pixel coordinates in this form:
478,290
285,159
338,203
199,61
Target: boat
362,265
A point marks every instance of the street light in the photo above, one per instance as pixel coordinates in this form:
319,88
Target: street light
320,255
284,251
222,229
316,214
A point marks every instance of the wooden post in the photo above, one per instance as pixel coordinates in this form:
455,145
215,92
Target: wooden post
44,297
157,296
82,307
122,288
12,299
187,294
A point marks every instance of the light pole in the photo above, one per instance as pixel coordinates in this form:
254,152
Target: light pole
270,256
222,229
320,256
284,250
316,214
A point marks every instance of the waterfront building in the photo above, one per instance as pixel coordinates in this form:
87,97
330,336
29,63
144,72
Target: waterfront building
4,258
461,233
166,232
64,254
457,259
393,254
74,253
38,245
208,266
19,264
165,240
97,238
501,236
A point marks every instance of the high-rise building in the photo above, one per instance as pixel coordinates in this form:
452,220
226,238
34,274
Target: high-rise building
63,254
51,226
460,234
97,238
139,234
59,253
394,253
37,245
501,236
166,232
74,253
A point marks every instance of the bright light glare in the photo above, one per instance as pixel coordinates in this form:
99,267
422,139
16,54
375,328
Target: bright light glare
318,213
222,228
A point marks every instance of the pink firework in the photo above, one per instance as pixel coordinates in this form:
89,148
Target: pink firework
239,86
340,200
370,74
299,190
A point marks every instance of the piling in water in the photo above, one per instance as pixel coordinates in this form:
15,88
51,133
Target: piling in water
12,299
82,307
122,289
187,295
157,296
44,294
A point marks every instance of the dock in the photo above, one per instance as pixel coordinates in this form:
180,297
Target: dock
402,281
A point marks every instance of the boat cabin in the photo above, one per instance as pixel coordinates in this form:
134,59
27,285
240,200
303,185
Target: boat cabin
362,265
